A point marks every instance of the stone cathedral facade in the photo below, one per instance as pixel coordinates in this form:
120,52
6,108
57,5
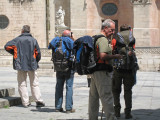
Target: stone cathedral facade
84,17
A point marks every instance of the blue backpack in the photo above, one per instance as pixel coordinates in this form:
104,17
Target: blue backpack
61,53
85,58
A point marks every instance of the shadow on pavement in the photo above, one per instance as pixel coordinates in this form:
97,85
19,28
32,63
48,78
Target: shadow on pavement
147,114
140,114
43,109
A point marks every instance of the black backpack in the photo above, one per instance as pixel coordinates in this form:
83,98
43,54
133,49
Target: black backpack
86,60
124,44
60,58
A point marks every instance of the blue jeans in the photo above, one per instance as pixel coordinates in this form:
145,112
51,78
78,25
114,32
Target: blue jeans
61,78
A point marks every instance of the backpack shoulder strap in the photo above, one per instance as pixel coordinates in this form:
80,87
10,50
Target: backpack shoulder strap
60,42
95,38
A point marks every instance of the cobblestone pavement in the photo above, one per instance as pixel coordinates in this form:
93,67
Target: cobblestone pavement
146,99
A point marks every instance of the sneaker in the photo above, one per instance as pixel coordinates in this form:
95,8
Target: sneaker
26,106
128,116
59,110
40,104
71,111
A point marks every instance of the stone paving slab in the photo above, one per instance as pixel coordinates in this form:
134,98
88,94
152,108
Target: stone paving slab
6,92
146,99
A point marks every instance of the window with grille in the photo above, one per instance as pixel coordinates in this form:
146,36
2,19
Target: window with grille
109,9
4,21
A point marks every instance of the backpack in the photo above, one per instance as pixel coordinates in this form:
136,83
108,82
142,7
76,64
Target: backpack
124,43
85,59
61,54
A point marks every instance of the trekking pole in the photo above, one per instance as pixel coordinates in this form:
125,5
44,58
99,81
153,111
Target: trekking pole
102,113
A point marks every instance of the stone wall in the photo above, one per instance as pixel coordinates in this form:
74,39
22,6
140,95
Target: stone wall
51,20
19,14
93,18
78,18
146,25
148,58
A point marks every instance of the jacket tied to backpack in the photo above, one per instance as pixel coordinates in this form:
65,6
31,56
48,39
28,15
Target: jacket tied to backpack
86,58
62,53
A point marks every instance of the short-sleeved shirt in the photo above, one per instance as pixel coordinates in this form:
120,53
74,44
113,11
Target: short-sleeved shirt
104,46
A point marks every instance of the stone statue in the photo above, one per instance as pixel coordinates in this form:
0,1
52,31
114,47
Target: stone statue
60,26
60,17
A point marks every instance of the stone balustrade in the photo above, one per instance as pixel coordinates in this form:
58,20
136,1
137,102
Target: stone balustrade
148,58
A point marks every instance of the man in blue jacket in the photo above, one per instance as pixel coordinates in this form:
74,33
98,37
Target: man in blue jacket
26,55
64,76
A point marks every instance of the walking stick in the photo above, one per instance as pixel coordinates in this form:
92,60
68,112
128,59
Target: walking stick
102,113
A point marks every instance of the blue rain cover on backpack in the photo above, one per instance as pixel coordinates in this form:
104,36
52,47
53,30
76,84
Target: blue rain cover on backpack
61,52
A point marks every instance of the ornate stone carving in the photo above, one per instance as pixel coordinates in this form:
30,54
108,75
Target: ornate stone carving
148,50
20,1
45,52
140,1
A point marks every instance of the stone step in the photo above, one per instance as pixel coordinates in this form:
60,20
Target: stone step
46,72
46,65
8,62
12,101
6,92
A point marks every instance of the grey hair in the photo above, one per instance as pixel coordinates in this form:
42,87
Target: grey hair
107,23
26,29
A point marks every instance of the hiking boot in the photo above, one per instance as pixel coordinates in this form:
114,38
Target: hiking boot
40,104
128,116
117,111
26,106
59,110
71,111
117,114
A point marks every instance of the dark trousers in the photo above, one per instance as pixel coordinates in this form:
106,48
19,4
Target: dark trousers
126,78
